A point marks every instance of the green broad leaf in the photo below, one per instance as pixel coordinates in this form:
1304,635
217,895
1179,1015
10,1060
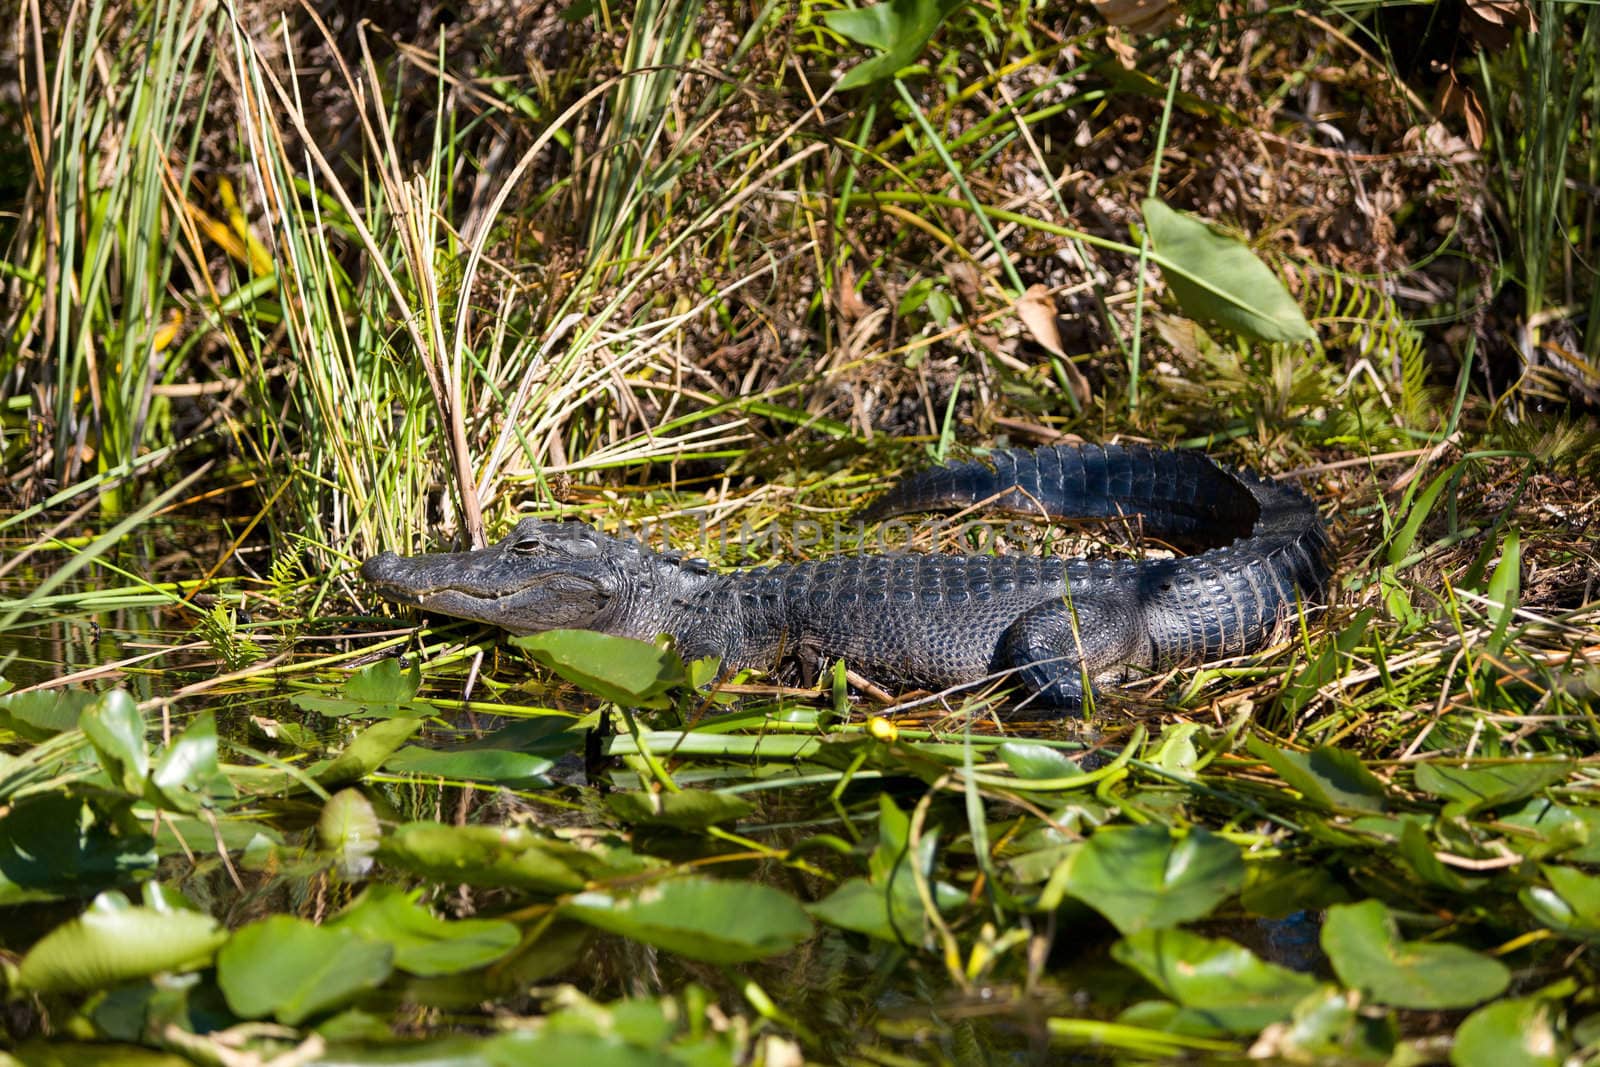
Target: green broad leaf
1571,904
489,856
472,765
1037,762
1525,1031
292,970
185,777
115,728
1366,951
43,713
900,29
55,846
423,943
1217,279
367,752
692,809
701,918
383,690
114,942
619,669
349,829
1147,877
1225,983
1568,832
1329,778
1474,789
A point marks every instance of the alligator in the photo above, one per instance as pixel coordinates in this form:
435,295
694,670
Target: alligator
1061,627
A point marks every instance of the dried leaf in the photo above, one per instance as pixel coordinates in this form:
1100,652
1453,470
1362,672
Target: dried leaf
1139,16
1455,98
1036,309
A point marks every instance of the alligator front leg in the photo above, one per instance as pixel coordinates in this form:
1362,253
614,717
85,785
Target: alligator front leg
1061,648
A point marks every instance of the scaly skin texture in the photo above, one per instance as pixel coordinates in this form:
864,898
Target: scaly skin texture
934,620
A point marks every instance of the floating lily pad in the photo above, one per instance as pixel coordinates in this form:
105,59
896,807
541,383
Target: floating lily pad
1224,985
1474,789
701,918
423,943
1366,951
1571,904
1523,1032
487,856
471,765
619,669
382,690
115,941
1147,876
291,969
691,809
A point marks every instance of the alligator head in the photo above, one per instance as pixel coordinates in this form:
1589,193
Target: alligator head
543,576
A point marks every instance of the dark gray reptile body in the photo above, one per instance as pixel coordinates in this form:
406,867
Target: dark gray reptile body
934,620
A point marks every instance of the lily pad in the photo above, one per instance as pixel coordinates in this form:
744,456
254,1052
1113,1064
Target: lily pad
1571,904
291,969
1222,983
423,943
487,856
349,829
691,809
1474,789
1366,951
1522,1031
383,690
1148,877
116,941
701,918
619,669
471,765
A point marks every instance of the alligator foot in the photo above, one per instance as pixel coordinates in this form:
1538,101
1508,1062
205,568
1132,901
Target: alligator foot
1054,648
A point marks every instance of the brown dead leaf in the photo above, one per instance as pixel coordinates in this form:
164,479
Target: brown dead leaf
1458,99
851,306
1036,310
1492,22
1139,16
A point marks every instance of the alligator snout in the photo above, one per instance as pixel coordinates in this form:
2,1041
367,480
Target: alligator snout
380,567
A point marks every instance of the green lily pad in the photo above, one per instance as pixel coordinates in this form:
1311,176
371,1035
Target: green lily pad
1222,983
1148,877
691,809
471,765
349,829
186,777
1571,904
292,970
487,856
43,713
116,941
1030,760
619,669
367,752
701,918
423,943
1523,1031
115,728
383,690
1366,951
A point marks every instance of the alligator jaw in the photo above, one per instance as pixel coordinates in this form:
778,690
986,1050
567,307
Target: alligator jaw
519,593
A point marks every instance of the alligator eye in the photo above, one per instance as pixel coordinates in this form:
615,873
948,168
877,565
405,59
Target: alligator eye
527,546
